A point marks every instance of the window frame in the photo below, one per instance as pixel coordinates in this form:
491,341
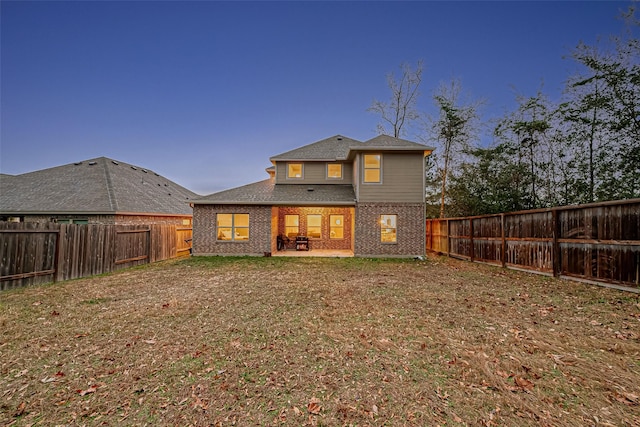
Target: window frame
297,226
384,226
233,228
319,226
336,178
365,168
289,164
332,227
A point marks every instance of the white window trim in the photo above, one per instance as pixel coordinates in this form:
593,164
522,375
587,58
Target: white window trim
233,227
364,168
341,171
382,226
301,170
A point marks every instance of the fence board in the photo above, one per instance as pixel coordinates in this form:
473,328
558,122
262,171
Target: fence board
599,242
32,253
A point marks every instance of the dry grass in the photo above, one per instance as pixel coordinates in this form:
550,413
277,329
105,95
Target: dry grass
277,341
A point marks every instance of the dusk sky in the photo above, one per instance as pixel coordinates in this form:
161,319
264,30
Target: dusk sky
205,92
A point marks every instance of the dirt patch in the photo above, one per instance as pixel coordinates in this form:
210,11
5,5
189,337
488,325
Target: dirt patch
312,341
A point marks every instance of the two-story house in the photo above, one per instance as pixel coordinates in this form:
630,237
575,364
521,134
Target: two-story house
366,198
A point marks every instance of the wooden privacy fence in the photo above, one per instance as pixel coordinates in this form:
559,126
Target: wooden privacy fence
598,242
32,253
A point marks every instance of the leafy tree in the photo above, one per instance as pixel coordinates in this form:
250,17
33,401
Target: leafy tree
453,131
525,136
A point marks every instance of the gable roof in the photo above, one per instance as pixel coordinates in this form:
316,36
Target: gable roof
95,186
340,147
386,142
330,149
268,193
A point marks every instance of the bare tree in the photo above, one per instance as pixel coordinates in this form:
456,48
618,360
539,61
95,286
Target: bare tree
401,109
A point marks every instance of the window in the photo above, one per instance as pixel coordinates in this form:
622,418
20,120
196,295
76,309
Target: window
233,227
294,170
372,167
334,170
336,226
388,228
314,226
291,226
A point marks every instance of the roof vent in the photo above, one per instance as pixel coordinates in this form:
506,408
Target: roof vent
144,170
92,163
310,189
134,168
79,163
339,138
114,162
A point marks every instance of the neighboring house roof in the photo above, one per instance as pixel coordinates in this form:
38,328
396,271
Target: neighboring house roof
268,193
95,186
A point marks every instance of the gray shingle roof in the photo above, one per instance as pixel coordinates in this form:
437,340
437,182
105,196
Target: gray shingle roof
330,149
385,142
95,186
268,193
339,147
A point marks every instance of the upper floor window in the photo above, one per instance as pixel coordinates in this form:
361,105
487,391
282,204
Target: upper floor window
294,170
233,226
388,228
372,168
334,170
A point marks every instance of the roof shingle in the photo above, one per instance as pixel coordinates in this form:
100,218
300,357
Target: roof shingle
268,193
95,186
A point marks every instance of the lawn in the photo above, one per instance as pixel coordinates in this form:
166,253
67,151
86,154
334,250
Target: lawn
313,341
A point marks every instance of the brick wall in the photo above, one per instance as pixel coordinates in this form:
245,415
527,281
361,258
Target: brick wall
205,232
410,230
183,220
325,242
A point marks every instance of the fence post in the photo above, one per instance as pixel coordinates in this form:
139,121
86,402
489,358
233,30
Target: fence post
57,257
555,246
503,254
149,245
471,248
448,238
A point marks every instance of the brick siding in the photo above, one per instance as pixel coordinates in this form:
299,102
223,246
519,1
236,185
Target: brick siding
182,220
325,242
410,230
205,232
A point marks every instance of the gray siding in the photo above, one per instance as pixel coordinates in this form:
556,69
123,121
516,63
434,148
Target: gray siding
402,180
314,173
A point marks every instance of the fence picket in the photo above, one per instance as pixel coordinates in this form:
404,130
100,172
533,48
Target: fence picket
598,242
32,253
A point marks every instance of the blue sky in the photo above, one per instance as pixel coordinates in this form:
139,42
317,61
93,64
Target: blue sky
205,92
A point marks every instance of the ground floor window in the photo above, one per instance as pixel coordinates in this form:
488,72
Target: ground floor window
291,226
388,228
314,226
233,226
336,226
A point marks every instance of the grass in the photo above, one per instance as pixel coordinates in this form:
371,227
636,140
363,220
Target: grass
312,341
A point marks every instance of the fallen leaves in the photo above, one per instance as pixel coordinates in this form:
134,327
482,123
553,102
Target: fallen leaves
629,399
314,406
20,409
92,389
